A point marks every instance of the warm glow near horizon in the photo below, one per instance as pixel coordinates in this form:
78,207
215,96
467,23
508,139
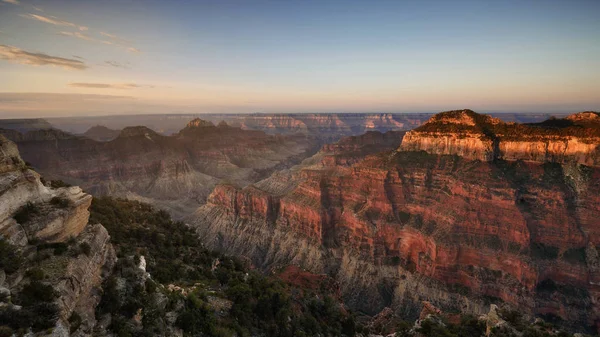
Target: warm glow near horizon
63,58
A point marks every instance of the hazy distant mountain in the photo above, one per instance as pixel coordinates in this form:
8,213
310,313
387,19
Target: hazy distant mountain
101,133
176,172
24,125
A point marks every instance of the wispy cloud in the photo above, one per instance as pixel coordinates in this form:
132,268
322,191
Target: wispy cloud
117,39
37,8
14,2
118,64
83,36
87,37
46,97
53,21
121,42
19,55
109,85
79,57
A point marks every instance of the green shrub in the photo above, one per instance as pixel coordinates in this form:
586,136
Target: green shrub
85,248
10,257
26,212
432,329
575,255
58,184
35,274
58,248
6,331
543,252
38,311
196,318
74,322
60,202
35,292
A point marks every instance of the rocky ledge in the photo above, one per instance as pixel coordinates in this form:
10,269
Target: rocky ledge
53,262
474,136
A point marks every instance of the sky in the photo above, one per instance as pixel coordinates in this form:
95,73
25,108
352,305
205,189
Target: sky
90,57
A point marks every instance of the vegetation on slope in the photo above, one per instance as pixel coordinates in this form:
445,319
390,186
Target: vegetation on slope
196,290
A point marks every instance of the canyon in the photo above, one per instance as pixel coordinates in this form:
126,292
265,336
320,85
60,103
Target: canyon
174,172
464,212
329,127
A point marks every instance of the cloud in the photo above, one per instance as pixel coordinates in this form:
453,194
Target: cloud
37,9
87,37
121,42
83,36
78,35
14,2
46,97
109,85
118,64
18,55
117,39
79,57
53,21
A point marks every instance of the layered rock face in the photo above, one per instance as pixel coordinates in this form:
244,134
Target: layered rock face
398,227
474,136
34,217
176,172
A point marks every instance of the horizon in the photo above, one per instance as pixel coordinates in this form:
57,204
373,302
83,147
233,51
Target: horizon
199,115
61,58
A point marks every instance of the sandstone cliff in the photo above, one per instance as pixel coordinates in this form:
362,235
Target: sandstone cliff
46,230
395,228
465,133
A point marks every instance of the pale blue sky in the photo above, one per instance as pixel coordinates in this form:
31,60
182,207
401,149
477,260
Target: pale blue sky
297,56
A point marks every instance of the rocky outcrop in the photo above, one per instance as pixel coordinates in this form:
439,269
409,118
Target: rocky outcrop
199,123
465,133
399,227
80,285
173,172
33,219
464,145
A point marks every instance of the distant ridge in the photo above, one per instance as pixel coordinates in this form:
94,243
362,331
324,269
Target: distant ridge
24,125
101,133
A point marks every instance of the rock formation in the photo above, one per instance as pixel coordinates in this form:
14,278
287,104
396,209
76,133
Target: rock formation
468,134
452,217
48,230
174,172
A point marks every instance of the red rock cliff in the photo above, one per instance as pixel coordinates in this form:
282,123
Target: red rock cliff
399,227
